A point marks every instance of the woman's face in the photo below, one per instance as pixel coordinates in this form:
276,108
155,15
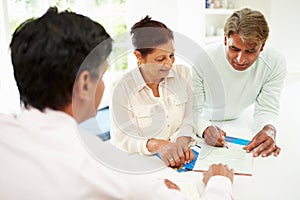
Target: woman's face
157,64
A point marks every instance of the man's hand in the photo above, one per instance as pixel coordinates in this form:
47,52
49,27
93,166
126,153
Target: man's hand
265,141
220,169
214,136
171,185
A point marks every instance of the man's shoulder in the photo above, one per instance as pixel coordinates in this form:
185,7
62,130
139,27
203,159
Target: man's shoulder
181,70
272,58
270,52
7,120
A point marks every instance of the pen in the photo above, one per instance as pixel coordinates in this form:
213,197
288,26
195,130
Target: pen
225,145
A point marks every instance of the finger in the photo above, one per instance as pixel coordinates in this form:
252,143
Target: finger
231,175
172,162
255,142
265,146
213,140
277,150
181,157
166,161
221,140
205,178
171,185
269,151
221,131
192,155
189,156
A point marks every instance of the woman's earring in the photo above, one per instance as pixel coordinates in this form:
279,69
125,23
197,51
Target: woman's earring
139,63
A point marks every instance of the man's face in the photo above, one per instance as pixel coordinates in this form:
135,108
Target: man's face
241,54
87,94
100,85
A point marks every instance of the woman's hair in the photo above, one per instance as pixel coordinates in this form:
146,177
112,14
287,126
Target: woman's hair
147,34
251,25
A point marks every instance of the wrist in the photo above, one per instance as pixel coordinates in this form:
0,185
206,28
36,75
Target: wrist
270,131
154,145
185,139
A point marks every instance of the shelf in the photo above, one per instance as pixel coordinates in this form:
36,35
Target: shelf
219,11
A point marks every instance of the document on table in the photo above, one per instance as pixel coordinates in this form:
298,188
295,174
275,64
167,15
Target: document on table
234,156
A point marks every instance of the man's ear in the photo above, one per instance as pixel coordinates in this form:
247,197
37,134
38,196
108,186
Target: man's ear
83,85
138,55
262,47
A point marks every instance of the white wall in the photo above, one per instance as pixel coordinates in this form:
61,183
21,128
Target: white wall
285,30
184,17
9,94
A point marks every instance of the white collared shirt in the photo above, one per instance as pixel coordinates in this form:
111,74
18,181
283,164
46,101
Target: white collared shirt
43,157
137,115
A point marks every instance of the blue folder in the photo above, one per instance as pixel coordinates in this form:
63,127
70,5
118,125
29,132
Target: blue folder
236,140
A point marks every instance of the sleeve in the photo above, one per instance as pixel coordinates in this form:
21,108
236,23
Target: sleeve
188,127
268,101
153,189
104,183
198,101
124,133
218,187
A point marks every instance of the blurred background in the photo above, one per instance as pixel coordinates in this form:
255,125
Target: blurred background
200,20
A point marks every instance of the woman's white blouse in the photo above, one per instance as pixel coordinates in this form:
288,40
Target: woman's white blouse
137,115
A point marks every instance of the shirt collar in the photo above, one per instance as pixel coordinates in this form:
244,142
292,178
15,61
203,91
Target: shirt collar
139,80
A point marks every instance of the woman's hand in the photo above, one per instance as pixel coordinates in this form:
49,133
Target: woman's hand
174,154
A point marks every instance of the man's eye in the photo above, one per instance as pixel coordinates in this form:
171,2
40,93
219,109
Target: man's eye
234,49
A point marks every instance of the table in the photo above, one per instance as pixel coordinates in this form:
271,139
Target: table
273,177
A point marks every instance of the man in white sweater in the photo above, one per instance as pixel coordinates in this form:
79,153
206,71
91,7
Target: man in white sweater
59,60
237,74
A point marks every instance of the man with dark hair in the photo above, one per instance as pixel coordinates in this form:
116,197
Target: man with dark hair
59,60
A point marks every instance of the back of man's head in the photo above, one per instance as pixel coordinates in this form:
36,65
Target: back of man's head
250,24
48,52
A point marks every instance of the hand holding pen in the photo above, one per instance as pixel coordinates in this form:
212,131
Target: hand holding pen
214,136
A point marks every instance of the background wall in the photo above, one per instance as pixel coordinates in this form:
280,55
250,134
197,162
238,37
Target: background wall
186,17
285,29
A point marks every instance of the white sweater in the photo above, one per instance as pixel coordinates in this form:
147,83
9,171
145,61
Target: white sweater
223,93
